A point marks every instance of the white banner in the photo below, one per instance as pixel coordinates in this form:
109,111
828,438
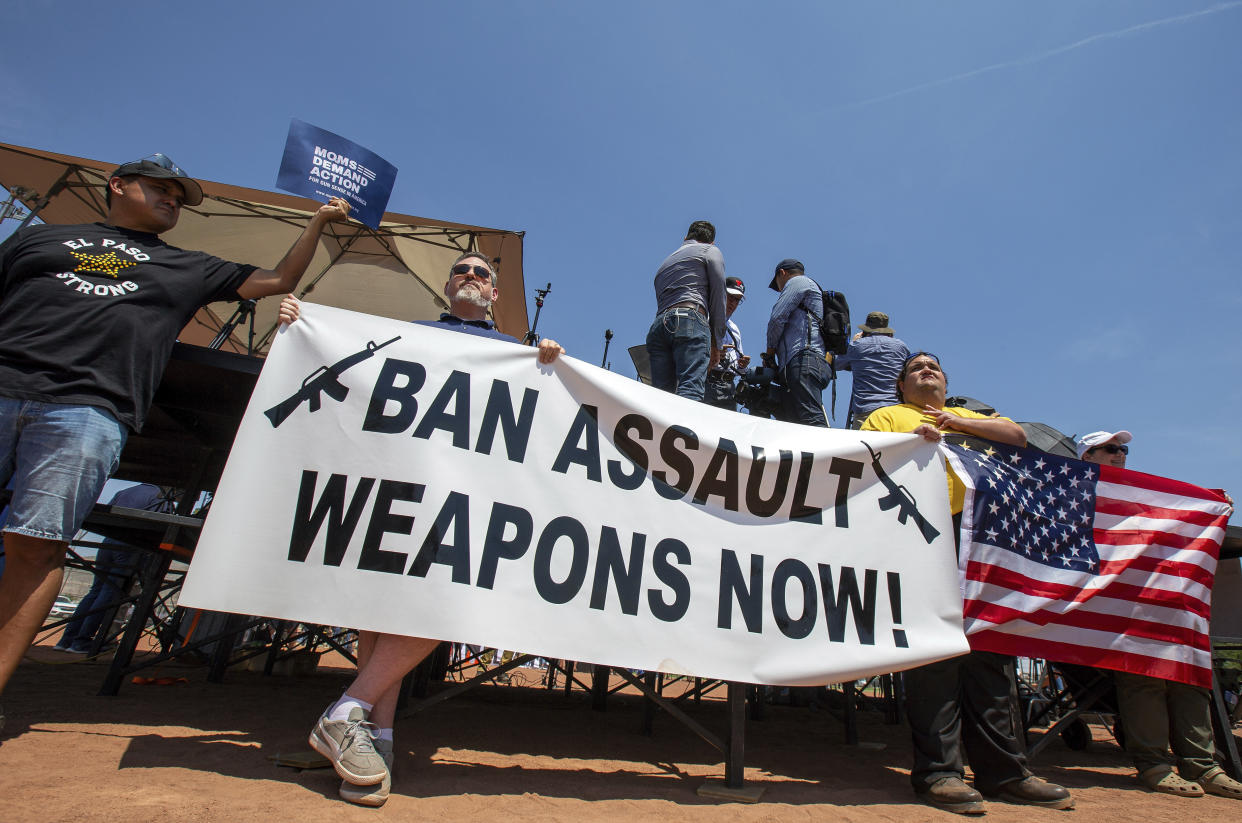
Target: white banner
420,481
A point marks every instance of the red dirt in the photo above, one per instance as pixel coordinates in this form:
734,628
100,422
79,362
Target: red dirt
199,751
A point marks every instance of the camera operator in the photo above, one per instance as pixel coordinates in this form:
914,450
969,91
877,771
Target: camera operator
733,362
796,345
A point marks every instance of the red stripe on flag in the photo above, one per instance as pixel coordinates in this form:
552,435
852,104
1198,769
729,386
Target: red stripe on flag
1116,624
994,641
1132,508
1066,593
1164,485
1138,537
1157,565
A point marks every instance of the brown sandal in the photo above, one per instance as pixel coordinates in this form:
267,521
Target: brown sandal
1164,780
1215,781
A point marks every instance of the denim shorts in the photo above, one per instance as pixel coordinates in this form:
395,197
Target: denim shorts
58,456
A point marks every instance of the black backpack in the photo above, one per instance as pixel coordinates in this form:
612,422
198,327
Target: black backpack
835,327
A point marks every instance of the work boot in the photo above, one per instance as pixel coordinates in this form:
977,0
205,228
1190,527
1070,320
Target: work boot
350,745
1034,791
952,795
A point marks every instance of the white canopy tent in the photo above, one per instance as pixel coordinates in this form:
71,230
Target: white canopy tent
397,271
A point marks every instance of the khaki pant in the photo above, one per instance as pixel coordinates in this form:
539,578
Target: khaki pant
1158,713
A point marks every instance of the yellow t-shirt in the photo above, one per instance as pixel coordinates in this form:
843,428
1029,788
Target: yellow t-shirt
906,418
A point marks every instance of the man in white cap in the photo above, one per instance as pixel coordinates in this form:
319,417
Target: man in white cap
733,362
1105,448
89,314
1158,713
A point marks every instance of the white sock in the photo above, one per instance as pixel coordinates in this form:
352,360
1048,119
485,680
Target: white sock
340,709
385,734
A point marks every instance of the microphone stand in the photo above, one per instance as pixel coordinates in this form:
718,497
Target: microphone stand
532,338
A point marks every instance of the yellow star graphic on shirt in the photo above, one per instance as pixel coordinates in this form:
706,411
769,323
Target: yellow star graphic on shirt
109,263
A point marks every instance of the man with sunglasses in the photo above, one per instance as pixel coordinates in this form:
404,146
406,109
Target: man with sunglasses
88,316
356,731
1157,713
965,701
684,339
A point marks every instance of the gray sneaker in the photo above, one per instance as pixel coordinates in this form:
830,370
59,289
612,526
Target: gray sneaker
350,745
371,795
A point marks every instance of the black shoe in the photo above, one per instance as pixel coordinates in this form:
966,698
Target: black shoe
1033,791
952,795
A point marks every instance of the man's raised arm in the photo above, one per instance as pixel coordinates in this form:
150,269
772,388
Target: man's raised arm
264,282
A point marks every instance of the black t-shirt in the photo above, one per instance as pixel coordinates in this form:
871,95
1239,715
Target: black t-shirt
89,313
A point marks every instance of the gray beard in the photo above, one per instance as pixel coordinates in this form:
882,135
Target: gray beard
467,294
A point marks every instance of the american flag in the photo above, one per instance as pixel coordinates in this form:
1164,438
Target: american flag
1079,563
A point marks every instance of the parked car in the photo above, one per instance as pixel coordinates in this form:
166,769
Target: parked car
63,607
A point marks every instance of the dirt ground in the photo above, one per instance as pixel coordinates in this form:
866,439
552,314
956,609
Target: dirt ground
198,751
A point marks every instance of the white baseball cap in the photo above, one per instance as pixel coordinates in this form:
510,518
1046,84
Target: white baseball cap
1088,441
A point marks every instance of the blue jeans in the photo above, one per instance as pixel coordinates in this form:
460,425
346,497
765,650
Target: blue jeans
719,393
679,345
113,567
806,375
59,456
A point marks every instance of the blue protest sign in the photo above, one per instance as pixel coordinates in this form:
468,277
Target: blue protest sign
321,164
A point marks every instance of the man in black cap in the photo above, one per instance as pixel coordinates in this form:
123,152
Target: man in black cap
875,356
684,338
733,362
796,345
89,314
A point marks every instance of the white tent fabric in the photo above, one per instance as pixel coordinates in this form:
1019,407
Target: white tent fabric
398,271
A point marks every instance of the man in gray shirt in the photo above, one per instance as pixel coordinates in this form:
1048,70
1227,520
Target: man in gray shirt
689,324
796,345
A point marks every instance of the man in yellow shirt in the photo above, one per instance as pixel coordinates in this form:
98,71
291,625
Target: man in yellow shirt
965,700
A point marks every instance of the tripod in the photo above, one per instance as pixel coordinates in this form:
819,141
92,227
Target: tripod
244,307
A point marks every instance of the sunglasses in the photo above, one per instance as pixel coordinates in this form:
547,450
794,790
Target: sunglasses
918,355
482,272
164,162
1111,448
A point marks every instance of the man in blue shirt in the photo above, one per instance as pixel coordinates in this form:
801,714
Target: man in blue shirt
876,357
356,731
796,345
685,336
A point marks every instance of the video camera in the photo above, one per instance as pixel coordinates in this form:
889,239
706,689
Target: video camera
760,391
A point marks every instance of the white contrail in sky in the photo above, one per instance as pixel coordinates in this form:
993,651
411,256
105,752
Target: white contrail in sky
1025,61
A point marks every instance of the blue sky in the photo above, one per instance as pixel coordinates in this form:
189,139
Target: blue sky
1047,195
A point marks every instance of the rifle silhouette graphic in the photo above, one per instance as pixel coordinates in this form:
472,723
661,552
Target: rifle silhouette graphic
323,380
899,496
